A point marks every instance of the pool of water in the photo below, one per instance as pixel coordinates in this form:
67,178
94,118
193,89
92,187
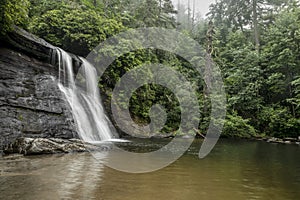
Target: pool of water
234,170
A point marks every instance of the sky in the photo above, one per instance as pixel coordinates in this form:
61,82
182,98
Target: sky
201,5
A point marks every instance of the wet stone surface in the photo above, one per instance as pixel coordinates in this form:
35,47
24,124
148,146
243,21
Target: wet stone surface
31,104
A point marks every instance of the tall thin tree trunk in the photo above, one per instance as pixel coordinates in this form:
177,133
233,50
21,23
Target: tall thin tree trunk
189,14
178,14
255,25
193,20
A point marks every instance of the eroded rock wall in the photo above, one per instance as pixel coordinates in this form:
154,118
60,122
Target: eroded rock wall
31,104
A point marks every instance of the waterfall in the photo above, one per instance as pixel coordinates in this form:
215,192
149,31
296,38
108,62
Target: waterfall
83,95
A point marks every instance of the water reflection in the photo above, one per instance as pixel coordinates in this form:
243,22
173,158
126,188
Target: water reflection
234,170
72,176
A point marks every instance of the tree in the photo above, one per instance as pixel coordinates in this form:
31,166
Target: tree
257,47
281,67
74,28
12,12
155,13
242,14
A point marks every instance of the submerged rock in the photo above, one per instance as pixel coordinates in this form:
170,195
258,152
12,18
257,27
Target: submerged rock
31,146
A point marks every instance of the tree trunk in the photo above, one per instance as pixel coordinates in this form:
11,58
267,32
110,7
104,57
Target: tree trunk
255,25
189,15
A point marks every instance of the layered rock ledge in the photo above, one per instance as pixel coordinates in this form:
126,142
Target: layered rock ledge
31,104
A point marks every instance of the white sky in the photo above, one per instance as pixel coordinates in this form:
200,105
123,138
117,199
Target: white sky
201,5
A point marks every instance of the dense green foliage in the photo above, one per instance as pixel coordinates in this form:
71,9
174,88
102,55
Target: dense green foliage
12,12
74,27
262,83
256,44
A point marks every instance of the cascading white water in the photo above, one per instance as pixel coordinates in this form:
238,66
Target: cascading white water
84,98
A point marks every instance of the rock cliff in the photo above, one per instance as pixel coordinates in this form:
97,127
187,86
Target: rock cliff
31,104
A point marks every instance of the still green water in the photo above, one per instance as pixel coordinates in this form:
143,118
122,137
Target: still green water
234,170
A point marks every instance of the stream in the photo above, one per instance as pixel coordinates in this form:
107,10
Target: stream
234,170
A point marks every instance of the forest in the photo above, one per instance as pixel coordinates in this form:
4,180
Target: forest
255,43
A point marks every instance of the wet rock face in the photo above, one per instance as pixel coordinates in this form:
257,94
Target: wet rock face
31,104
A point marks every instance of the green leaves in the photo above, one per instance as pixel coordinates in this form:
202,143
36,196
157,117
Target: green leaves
236,126
256,43
277,121
12,12
263,86
74,28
